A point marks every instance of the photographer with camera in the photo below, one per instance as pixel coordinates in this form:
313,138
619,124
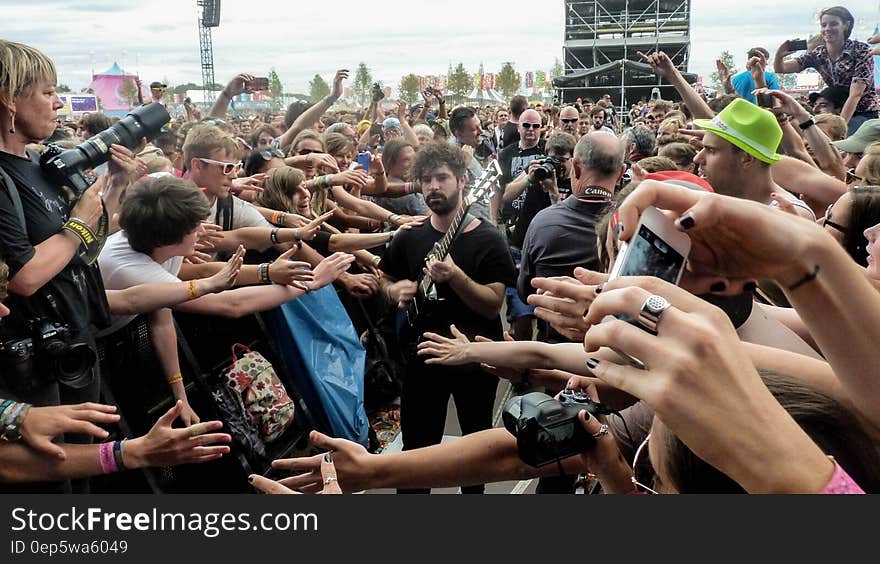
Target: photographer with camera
50,242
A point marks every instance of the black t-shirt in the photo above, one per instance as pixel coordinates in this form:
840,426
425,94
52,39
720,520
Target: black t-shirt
78,290
480,253
513,160
509,134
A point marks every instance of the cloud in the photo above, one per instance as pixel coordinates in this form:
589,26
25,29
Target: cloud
159,38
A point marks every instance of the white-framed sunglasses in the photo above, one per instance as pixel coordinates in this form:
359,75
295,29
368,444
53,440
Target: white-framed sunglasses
227,168
635,465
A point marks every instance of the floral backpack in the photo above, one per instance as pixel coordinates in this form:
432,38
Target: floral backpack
263,394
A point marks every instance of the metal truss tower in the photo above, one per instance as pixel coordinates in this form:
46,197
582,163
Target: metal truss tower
209,17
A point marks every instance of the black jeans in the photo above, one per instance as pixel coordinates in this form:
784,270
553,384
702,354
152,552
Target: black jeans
426,391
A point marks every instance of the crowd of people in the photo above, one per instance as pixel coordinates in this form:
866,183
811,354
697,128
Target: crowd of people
757,372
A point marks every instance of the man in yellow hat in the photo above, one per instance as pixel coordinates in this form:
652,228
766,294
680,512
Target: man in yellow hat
738,148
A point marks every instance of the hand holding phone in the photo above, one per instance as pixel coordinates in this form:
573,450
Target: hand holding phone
363,159
797,44
260,83
658,249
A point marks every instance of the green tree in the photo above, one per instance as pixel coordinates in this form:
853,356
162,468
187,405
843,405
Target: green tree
62,88
188,86
275,86
363,81
129,92
507,80
318,89
558,69
787,81
459,82
409,88
727,59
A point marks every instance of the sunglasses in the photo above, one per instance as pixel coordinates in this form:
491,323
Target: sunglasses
569,120
268,154
635,465
307,152
851,176
527,125
827,220
227,168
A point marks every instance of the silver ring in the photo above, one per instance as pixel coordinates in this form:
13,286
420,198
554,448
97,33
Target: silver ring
100,194
651,311
329,479
603,430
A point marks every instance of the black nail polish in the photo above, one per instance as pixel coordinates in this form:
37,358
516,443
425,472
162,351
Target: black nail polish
328,458
718,287
592,363
600,287
750,286
619,229
687,221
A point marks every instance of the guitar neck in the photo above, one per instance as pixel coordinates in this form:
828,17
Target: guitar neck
446,241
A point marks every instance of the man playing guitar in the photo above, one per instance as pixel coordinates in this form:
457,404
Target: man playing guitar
469,280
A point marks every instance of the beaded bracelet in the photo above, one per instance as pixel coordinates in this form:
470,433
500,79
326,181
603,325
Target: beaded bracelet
263,271
174,378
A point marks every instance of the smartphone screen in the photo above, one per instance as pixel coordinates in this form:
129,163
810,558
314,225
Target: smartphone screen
260,83
363,159
648,255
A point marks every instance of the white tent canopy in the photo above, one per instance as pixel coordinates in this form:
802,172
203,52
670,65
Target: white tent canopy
484,96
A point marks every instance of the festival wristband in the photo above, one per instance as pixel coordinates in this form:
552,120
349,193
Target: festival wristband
118,447
105,454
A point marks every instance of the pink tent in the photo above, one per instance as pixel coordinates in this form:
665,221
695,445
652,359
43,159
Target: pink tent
108,87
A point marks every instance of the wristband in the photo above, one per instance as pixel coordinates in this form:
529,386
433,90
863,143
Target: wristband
807,124
809,277
108,462
174,378
390,220
118,447
273,236
297,234
191,289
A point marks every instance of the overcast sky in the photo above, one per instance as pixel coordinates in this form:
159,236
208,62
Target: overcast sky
159,38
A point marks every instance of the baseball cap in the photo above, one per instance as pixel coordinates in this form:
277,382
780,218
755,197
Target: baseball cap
156,85
834,94
390,123
868,132
745,125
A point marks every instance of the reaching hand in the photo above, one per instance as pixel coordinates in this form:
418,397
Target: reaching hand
723,71
290,272
42,424
211,234
197,257
124,167
563,302
357,178
403,292
350,460
226,276
787,104
445,350
329,270
238,84
341,75
188,415
360,285
311,229
660,63
165,446
401,110
254,183
329,480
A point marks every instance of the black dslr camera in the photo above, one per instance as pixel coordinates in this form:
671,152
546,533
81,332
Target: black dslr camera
66,167
546,167
51,343
547,430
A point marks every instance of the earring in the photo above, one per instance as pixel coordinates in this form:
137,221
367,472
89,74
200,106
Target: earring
12,129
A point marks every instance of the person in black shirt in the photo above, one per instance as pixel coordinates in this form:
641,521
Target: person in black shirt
510,131
470,285
47,276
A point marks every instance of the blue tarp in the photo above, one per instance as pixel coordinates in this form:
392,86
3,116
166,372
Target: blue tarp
325,358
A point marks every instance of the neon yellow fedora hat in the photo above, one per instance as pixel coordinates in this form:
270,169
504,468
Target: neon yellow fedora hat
752,129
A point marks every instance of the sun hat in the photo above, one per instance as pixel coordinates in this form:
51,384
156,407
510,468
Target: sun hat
867,133
745,125
390,123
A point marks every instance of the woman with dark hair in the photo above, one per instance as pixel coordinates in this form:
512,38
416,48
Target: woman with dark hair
842,62
849,217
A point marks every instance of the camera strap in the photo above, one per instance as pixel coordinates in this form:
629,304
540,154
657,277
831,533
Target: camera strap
13,195
595,194
91,242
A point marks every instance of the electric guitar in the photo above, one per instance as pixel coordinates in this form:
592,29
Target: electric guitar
426,293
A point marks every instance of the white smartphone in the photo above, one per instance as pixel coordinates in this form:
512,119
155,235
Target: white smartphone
657,249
